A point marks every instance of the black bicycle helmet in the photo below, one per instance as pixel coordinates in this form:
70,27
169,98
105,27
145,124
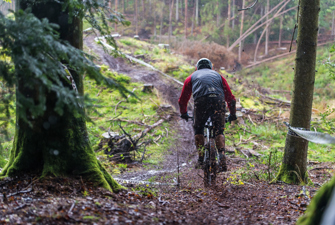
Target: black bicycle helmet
204,63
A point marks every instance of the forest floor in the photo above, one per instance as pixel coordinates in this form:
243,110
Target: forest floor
232,201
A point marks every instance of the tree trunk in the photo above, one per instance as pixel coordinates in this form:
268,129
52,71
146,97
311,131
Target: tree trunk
193,18
294,165
333,23
241,32
197,12
136,17
143,8
160,28
185,19
116,3
267,29
177,10
218,14
233,22
170,21
280,31
55,144
228,18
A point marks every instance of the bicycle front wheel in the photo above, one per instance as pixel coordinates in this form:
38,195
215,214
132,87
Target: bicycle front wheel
210,167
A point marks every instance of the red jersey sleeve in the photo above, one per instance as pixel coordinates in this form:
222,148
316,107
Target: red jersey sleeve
229,97
185,95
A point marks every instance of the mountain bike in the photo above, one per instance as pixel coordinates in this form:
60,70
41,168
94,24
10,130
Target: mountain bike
211,155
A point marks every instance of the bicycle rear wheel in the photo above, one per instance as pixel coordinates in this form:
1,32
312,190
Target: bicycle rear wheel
210,167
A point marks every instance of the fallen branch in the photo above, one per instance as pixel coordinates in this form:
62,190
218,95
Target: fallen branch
159,122
321,168
130,121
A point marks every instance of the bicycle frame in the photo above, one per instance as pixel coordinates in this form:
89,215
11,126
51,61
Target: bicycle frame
210,155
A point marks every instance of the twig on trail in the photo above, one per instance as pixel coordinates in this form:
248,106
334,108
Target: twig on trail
118,104
257,177
249,7
167,132
249,183
130,121
144,150
251,120
21,192
82,183
114,117
99,92
321,168
72,206
20,206
178,178
238,149
269,167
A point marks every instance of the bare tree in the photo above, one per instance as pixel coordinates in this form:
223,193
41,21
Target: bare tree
218,13
294,165
136,16
197,12
116,3
241,32
333,23
280,31
177,10
267,28
185,19
233,22
228,22
170,20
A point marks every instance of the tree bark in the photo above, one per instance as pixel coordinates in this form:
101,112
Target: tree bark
55,144
280,31
177,10
294,165
193,18
136,17
143,8
228,18
170,21
116,3
185,19
267,29
197,12
233,22
333,23
218,14
241,32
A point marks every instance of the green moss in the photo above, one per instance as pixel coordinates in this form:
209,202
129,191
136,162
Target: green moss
288,175
317,207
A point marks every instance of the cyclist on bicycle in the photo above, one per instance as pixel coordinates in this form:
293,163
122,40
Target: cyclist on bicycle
210,91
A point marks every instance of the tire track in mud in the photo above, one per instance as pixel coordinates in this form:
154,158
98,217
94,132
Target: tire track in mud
184,148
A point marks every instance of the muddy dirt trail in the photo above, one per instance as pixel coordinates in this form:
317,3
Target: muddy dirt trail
230,202
184,148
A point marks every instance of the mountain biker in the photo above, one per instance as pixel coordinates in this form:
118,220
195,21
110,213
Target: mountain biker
210,91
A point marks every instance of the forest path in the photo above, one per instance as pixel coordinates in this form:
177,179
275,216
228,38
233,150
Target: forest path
170,92
231,201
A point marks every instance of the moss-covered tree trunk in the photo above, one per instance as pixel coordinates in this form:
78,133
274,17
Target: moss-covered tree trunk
294,165
55,144
318,205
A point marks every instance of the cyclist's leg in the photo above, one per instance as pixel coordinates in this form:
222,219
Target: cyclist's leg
200,115
218,125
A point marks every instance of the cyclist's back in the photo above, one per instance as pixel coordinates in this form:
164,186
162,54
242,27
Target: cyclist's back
210,91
